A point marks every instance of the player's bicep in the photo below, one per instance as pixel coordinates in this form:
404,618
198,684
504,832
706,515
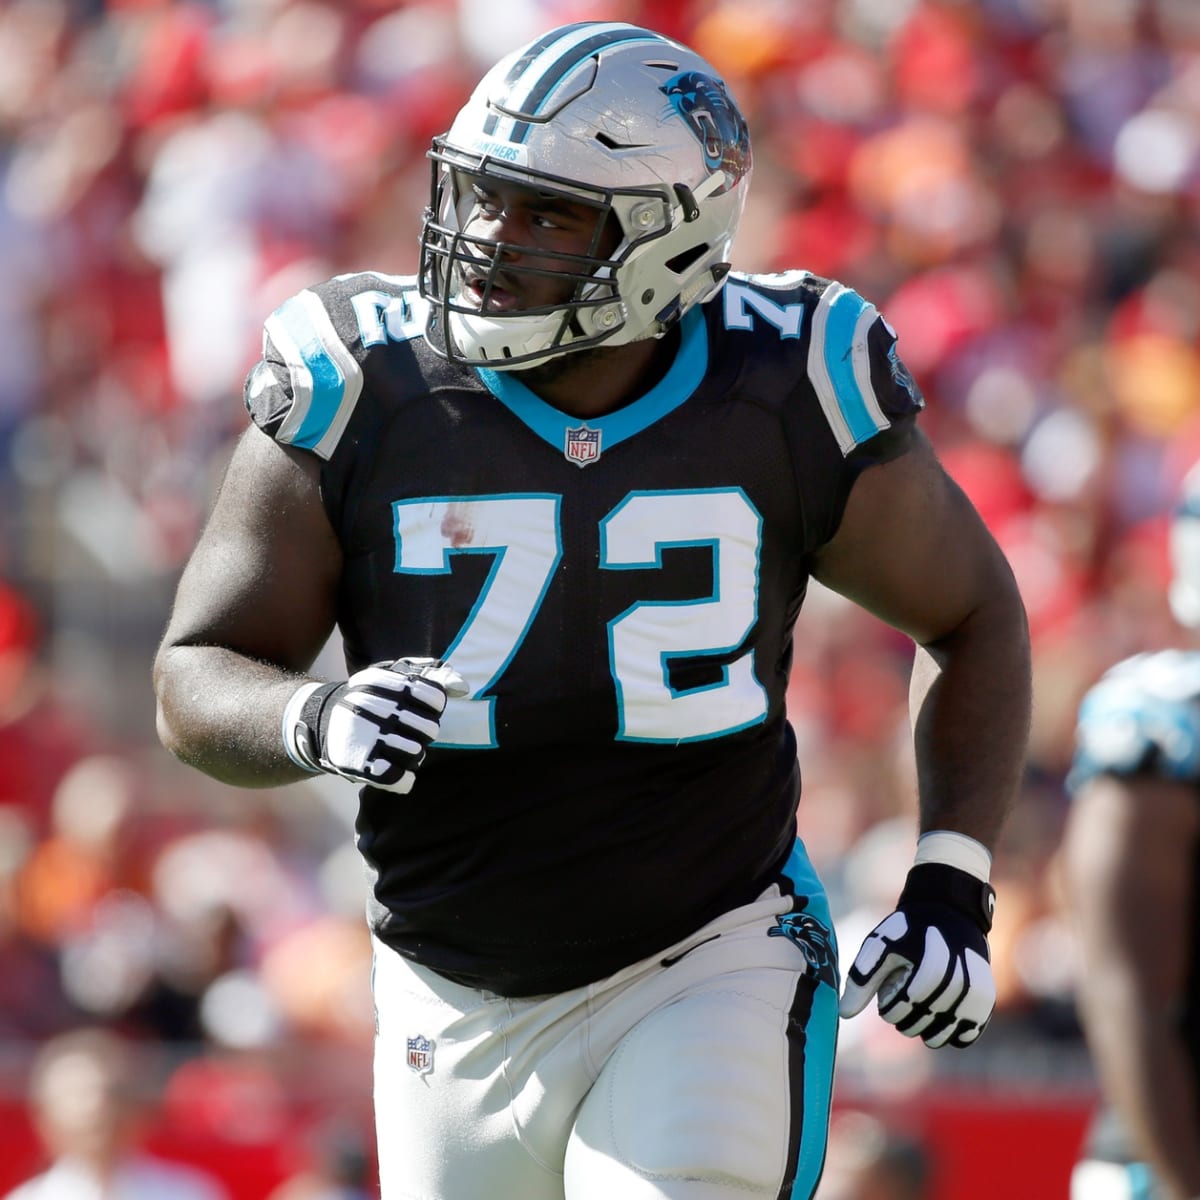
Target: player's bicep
262,579
912,549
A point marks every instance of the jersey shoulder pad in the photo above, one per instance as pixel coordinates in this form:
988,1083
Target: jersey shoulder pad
862,384
315,347
1143,716
863,387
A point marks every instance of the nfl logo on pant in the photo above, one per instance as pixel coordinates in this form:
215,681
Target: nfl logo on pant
420,1054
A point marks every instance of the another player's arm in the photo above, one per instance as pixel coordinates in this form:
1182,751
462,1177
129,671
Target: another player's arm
912,550
253,609
1127,854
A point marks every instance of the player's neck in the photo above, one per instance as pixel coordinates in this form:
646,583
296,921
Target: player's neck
592,383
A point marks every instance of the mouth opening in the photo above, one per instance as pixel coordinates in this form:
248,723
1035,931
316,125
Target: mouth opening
490,295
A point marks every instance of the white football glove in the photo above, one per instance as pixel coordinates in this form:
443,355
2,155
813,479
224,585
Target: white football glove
375,727
928,962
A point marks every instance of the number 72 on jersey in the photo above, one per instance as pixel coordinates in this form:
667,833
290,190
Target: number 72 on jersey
522,534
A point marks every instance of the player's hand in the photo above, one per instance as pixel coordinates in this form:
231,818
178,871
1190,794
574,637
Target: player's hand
375,727
928,962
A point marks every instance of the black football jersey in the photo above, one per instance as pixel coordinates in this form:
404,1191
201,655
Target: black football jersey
618,592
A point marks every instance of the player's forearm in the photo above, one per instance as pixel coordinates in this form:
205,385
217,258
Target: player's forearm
970,704
1143,1068
222,713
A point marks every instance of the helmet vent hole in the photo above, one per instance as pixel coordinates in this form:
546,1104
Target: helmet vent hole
611,143
681,262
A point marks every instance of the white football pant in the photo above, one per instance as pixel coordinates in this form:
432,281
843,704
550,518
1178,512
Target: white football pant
705,1079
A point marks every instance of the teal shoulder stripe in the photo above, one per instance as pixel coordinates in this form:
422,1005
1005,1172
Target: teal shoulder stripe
844,313
328,382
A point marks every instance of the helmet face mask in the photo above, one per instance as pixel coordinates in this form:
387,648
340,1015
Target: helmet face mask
461,269
599,117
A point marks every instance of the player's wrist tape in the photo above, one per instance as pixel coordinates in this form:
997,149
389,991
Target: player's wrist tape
937,883
955,850
302,724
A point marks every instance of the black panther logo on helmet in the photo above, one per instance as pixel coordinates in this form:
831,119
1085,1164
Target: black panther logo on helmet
706,106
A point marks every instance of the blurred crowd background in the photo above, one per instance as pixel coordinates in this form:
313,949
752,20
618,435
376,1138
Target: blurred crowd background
1015,184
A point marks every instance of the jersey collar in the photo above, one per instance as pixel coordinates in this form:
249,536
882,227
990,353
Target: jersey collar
680,382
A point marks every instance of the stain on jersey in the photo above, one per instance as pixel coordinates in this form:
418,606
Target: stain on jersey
458,525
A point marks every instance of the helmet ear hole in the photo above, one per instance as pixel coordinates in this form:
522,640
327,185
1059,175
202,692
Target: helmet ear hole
680,263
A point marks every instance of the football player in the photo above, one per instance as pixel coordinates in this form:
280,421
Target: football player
561,494
1132,857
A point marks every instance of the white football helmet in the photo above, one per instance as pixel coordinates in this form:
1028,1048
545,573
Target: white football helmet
606,115
1184,592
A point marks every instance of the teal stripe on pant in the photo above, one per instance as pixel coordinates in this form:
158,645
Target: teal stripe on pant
814,1043
1141,1183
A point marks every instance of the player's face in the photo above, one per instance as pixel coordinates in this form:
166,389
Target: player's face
517,233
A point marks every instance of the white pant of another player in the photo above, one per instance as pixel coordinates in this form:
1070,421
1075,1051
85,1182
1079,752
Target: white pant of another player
703,1073
1094,1180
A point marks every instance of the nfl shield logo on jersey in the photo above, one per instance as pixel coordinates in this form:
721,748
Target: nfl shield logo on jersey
420,1054
582,445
